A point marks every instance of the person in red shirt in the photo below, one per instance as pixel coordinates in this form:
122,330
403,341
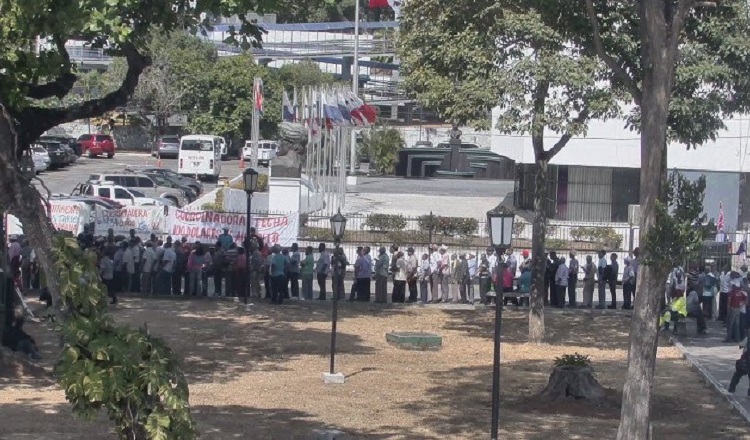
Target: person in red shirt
737,306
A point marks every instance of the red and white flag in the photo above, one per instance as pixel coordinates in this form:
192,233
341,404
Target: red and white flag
720,221
393,4
258,95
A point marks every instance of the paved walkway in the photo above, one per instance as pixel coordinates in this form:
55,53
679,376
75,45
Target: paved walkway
715,360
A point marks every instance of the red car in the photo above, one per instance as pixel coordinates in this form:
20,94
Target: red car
97,145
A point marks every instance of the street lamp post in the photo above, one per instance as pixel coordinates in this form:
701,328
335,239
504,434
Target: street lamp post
500,223
250,179
338,227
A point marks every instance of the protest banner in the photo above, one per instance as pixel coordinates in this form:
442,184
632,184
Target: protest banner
206,226
65,216
145,220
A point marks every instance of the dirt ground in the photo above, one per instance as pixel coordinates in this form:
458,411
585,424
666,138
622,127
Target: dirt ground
258,376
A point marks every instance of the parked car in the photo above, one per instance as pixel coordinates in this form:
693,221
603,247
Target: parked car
58,155
117,193
150,186
69,141
166,146
70,154
188,181
41,156
97,145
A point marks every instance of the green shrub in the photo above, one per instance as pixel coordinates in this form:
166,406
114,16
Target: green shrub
385,222
573,360
518,228
262,184
604,236
324,234
448,225
556,244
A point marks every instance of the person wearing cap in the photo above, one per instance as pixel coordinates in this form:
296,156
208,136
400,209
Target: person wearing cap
527,262
412,269
225,240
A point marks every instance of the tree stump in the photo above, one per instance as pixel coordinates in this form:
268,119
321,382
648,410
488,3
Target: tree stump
572,381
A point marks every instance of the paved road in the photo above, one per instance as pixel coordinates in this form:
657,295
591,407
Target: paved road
716,359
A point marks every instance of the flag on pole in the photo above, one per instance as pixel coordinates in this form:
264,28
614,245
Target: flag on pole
720,221
258,93
741,249
393,4
344,110
287,111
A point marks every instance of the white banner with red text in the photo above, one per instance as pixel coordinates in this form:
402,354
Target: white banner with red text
206,226
144,220
65,216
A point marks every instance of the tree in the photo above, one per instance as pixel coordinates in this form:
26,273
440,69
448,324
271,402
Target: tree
467,57
381,145
306,73
29,78
222,102
688,74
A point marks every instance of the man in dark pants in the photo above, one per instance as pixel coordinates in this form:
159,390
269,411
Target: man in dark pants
552,265
573,269
412,267
179,269
601,267
293,272
321,270
614,269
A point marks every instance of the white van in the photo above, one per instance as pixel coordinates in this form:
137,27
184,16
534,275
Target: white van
200,156
266,151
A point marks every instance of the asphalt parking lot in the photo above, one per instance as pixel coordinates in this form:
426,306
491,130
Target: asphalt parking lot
64,180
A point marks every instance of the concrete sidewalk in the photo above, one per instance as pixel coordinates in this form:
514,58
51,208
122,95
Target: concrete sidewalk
715,360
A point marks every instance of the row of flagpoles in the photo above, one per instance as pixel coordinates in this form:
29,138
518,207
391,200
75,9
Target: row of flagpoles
332,115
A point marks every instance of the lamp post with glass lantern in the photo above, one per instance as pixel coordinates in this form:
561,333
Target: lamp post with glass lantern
250,180
338,227
500,224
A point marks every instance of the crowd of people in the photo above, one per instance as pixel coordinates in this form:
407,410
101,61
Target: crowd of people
253,268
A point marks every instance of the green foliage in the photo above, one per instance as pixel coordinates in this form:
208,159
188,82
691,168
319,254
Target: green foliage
325,234
573,360
556,244
303,74
404,237
262,184
678,232
451,226
518,228
381,145
608,238
133,376
385,222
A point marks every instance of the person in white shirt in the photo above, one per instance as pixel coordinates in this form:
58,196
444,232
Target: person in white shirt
561,281
147,268
167,263
434,274
472,263
128,260
724,281
492,259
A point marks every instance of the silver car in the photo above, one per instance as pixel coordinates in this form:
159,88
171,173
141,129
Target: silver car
166,146
150,186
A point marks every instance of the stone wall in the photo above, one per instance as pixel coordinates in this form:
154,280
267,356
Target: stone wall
438,134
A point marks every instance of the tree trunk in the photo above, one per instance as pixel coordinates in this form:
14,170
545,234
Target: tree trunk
635,417
19,197
570,381
538,234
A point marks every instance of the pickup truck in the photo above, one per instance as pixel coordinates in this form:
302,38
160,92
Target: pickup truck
120,194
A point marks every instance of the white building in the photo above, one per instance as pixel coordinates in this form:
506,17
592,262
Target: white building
595,178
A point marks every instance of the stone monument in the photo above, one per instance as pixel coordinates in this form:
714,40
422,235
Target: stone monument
455,163
284,185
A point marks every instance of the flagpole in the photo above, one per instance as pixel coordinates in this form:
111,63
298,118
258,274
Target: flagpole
355,89
255,129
